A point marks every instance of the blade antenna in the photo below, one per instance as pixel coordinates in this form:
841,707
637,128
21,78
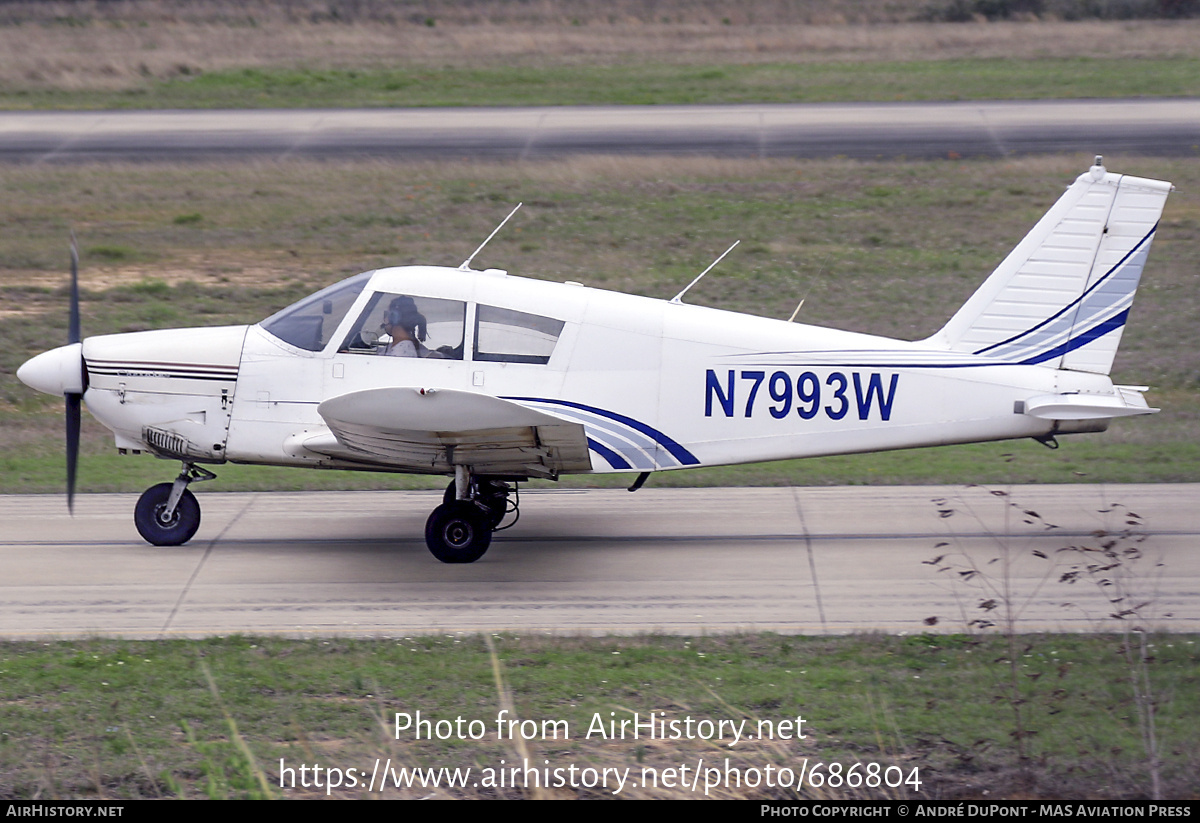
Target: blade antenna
799,306
466,264
807,292
679,297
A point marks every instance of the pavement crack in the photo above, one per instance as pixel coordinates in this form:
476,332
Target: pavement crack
812,560
534,133
187,587
994,135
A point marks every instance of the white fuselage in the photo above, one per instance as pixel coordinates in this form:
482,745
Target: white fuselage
656,385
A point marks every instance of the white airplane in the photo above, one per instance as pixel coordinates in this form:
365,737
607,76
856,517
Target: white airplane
492,379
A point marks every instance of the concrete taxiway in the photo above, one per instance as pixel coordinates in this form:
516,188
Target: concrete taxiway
797,560
1169,127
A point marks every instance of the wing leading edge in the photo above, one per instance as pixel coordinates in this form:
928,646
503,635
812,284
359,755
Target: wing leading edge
433,430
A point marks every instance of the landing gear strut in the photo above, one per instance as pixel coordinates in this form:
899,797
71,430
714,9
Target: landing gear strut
460,530
168,514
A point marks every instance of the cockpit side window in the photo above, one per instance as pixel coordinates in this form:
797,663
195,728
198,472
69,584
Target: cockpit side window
308,323
407,325
508,336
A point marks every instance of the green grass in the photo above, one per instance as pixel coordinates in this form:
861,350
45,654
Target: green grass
112,719
636,82
38,467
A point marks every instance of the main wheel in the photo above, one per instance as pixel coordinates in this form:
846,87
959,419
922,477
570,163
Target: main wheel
152,523
458,532
493,495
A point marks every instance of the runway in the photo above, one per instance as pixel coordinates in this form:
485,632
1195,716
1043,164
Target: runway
686,561
856,130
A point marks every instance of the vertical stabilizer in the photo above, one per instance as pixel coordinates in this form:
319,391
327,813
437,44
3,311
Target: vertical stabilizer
1061,297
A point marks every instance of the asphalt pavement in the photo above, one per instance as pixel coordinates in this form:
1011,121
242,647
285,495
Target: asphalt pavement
677,561
857,130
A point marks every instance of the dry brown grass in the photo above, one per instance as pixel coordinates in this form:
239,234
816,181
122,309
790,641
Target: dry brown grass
111,46
470,12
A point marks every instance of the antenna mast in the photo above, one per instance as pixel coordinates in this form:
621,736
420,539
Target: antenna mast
679,297
466,264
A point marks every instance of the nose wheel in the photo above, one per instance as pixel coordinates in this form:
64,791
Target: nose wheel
158,524
169,514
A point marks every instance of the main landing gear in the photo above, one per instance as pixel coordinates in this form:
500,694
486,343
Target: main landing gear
460,530
168,514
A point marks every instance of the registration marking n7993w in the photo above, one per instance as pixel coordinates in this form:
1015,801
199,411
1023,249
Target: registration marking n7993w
834,394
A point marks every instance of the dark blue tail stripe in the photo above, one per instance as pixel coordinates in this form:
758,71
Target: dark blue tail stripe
1074,302
1112,324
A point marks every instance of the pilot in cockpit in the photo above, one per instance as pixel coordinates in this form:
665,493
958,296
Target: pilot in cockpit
406,327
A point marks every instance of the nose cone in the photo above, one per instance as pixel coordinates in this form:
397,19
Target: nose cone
58,371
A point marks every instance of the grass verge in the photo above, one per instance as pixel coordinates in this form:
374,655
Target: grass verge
1079,460
224,717
215,53
638,83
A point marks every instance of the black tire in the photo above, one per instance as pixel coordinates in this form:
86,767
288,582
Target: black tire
458,532
147,516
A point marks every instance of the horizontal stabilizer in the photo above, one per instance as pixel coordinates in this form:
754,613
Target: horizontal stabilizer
1126,403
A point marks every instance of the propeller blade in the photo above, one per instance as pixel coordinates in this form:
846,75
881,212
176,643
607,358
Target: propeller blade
73,334
74,401
74,414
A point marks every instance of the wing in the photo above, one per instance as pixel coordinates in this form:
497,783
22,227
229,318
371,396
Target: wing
433,430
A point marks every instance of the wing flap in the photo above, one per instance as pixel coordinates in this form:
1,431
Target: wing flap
434,430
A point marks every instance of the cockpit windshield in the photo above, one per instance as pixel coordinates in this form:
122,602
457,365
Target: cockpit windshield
309,323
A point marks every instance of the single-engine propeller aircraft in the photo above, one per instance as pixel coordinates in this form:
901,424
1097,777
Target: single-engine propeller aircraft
491,379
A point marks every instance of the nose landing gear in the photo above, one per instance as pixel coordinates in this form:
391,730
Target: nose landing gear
168,514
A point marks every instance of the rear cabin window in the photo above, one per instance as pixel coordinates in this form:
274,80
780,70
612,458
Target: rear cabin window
507,336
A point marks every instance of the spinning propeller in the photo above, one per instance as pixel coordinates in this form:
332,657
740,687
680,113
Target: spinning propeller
62,371
74,397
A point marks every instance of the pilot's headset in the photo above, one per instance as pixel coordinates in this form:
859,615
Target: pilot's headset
402,312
